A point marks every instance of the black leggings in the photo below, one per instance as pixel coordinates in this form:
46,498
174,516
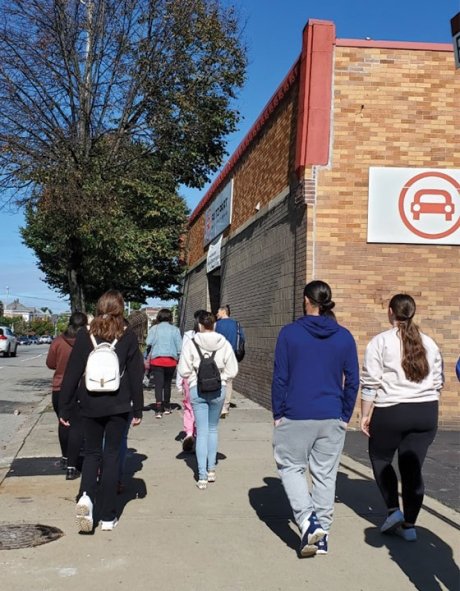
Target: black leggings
103,440
410,429
70,438
163,377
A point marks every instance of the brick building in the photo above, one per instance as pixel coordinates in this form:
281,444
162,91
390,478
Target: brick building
351,175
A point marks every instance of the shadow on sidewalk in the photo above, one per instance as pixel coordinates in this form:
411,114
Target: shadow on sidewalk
426,563
272,507
189,459
133,488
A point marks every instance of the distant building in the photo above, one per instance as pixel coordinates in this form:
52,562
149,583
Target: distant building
18,310
151,312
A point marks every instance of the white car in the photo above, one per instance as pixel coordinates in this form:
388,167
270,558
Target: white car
8,342
45,339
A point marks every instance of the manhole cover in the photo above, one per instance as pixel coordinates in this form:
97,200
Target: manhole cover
27,535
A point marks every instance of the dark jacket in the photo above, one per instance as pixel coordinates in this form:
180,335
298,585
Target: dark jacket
316,373
228,327
57,358
130,395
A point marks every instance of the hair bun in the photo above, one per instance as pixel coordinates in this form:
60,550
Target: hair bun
329,305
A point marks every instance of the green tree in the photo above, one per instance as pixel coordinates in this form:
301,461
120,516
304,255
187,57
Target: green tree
91,89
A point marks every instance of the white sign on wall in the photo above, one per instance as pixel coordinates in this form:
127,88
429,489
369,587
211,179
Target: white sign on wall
213,259
414,205
218,216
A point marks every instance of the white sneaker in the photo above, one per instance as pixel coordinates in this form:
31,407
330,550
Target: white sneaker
84,514
393,521
109,525
212,476
202,484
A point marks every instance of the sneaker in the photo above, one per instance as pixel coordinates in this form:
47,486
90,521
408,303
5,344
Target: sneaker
321,545
188,443
158,414
202,484
72,474
393,521
407,533
314,533
167,411
212,476
109,525
84,513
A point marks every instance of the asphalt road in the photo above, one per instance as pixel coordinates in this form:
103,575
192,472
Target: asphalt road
24,383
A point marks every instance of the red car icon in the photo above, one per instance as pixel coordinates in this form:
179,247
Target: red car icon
444,207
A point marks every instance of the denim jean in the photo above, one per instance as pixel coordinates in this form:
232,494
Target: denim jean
207,413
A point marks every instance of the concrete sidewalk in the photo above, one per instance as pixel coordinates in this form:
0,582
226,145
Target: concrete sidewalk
235,536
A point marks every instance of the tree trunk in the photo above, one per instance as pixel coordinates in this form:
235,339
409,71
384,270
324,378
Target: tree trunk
77,297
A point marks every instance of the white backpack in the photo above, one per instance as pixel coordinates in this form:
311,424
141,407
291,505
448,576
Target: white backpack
102,373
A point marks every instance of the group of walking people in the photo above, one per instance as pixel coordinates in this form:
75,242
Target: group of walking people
315,385
314,389
100,421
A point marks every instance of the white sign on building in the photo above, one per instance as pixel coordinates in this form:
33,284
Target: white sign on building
213,260
218,216
414,205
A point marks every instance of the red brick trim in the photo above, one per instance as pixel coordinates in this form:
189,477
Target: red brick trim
315,95
267,111
413,45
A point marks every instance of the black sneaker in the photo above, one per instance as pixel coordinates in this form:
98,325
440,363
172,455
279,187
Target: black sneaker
313,534
188,443
72,474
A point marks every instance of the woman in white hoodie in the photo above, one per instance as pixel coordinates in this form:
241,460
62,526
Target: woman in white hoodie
401,382
207,409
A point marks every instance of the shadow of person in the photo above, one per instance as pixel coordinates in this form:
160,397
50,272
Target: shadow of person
427,563
272,507
189,459
134,488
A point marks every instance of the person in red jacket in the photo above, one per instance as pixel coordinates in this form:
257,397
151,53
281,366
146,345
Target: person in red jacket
70,440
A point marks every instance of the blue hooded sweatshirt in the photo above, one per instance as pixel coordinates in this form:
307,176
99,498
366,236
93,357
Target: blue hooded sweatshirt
316,373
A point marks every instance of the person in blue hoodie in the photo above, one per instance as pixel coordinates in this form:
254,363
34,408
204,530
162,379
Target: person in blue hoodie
314,389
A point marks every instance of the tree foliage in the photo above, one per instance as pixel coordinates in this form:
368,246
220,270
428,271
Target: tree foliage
93,93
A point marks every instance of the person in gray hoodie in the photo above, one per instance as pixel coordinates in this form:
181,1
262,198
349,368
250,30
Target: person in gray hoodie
207,409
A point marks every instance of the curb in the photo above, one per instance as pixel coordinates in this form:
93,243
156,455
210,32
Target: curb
431,505
14,446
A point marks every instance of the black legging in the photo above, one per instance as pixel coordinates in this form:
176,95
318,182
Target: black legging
103,439
163,377
70,438
410,429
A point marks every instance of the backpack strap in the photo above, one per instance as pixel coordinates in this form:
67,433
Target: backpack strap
200,353
94,342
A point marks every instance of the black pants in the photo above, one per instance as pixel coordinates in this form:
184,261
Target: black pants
163,377
103,439
70,438
408,428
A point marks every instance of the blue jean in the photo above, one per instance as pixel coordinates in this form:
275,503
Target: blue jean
207,413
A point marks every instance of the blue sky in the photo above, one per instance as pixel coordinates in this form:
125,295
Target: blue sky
272,34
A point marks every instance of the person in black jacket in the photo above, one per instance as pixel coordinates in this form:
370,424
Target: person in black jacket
105,416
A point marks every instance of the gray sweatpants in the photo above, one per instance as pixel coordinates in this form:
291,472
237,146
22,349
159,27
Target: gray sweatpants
316,445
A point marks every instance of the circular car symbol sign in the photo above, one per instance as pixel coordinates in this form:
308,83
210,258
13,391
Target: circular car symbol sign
429,205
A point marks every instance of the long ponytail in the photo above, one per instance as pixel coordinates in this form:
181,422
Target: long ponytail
414,360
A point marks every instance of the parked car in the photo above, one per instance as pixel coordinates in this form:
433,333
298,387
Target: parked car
23,340
8,342
33,340
45,339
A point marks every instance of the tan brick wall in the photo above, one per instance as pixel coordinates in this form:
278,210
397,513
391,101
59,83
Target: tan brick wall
261,174
391,108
